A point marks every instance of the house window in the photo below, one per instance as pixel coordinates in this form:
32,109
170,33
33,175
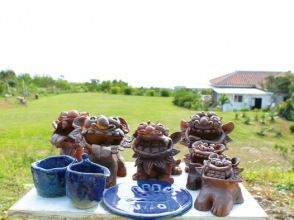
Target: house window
238,98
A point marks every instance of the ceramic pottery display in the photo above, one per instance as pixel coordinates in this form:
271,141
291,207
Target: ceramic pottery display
102,138
147,200
220,189
85,183
61,135
49,175
207,128
199,152
154,151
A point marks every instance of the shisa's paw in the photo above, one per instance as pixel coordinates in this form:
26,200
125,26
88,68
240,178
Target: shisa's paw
121,171
222,207
140,176
203,202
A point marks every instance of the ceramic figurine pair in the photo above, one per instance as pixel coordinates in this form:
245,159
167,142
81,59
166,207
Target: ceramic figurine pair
101,137
216,175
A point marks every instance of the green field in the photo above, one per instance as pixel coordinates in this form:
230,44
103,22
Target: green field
25,133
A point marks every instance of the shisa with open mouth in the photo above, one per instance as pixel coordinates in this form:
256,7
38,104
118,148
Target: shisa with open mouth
103,137
61,138
154,151
99,136
216,175
207,127
220,189
199,152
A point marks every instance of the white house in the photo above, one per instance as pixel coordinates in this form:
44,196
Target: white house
244,90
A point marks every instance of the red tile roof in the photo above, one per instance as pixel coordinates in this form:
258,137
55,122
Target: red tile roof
248,79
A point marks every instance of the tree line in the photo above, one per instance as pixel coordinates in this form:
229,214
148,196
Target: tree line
27,85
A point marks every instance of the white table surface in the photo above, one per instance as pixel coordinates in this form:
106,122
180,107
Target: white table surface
33,206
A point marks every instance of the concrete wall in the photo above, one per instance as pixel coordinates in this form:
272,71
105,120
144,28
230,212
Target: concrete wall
247,102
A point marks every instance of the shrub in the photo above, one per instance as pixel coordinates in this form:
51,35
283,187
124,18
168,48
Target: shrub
139,91
236,116
262,132
128,91
283,150
151,92
247,121
286,109
188,99
277,132
272,116
267,109
292,129
164,93
262,119
114,90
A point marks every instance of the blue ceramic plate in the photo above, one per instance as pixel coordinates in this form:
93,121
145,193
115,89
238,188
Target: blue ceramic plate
147,199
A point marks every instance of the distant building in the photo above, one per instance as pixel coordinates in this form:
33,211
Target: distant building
244,90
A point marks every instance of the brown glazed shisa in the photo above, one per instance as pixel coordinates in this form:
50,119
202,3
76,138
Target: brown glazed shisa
103,138
199,152
220,189
154,152
205,127
61,137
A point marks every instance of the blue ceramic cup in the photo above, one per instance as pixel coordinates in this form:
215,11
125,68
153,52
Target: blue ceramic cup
49,175
85,183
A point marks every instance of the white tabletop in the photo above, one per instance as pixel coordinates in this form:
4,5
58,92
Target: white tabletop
33,206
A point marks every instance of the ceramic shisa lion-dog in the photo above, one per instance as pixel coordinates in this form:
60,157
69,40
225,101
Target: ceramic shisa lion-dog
207,128
61,138
102,138
200,152
220,189
154,151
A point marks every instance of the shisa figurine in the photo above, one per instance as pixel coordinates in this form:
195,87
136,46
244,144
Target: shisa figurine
102,138
199,152
61,136
205,127
154,152
220,189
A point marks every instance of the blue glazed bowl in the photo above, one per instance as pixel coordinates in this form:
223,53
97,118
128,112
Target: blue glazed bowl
85,183
49,175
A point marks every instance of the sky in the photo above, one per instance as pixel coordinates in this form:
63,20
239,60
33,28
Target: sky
162,43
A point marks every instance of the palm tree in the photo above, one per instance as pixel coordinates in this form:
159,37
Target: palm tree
223,99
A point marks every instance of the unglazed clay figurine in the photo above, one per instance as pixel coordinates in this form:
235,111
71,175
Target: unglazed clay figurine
153,150
220,189
199,152
205,127
103,137
61,136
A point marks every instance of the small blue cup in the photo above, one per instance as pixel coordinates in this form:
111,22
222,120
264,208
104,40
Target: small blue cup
85,183
49,175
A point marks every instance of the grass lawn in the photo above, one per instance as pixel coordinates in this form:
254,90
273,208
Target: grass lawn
25,133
